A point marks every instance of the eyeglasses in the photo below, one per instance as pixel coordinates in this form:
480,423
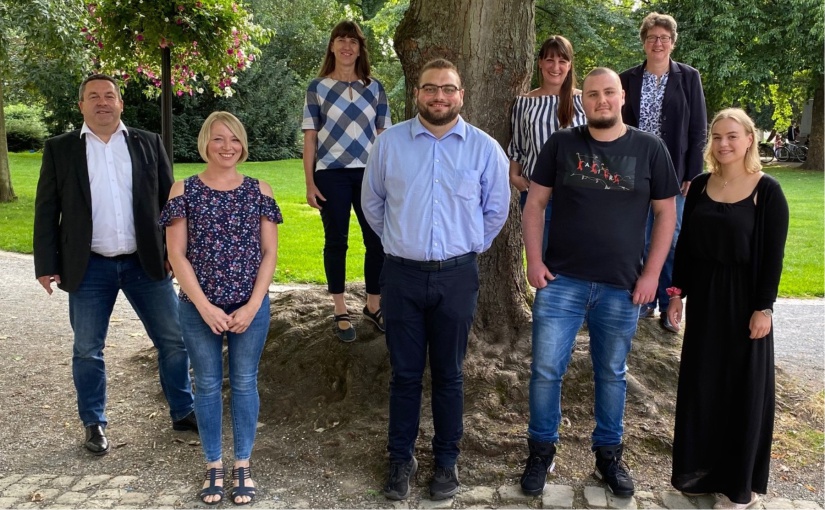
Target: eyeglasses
431,90
663,38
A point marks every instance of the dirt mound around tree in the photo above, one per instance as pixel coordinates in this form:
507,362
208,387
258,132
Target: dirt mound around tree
336,395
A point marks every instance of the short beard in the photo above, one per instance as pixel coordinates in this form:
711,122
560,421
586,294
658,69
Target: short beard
439,120
603,123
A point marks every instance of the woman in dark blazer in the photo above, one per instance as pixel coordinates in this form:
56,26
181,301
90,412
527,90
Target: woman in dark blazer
666,98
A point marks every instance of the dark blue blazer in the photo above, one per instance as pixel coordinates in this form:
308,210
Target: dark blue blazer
684,118
63,207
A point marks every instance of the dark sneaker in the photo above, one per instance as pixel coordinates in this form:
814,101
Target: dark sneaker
613,470
398,481
539,463
444,483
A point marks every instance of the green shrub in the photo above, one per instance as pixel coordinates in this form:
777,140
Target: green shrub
25,129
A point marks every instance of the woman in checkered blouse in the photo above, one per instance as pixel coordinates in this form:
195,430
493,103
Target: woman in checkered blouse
345,110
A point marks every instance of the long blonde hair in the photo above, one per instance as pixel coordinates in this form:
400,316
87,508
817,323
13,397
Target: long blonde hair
752,162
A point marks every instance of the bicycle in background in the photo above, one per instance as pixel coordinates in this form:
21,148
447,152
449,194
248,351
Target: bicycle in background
790,151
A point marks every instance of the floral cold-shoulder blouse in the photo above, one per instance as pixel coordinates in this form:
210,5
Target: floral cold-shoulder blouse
224,236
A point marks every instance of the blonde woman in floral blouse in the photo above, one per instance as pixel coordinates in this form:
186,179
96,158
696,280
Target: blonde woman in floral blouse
222,237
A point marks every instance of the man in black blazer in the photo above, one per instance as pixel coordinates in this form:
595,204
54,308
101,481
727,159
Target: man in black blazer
666,98
96,232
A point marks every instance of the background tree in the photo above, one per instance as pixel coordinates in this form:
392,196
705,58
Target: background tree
750,53
491,43
208,41
36,29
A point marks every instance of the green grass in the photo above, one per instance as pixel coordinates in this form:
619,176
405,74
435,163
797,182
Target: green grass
802,272
301,236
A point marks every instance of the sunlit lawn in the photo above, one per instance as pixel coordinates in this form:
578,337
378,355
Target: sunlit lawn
301,236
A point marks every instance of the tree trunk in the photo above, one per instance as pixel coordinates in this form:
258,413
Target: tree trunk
6,189
491,43
815,140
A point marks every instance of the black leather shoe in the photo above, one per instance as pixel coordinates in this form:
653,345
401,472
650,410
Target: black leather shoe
96,441
188,422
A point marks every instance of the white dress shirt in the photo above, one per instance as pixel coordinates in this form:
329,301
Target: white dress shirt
110,180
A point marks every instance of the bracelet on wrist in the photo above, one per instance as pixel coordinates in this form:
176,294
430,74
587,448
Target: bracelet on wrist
674,292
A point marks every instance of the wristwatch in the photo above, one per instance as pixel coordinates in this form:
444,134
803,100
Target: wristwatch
767,312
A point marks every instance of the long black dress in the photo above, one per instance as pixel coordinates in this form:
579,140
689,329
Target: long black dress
725,400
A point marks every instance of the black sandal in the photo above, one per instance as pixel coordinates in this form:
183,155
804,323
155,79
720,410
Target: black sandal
344,335
239,477
213,475
377,318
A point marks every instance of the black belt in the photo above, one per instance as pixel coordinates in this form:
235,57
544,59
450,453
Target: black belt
435,265
116,257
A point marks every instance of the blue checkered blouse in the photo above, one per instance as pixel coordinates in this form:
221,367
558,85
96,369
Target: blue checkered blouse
347,124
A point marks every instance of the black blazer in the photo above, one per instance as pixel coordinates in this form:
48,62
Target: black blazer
63,207
684,118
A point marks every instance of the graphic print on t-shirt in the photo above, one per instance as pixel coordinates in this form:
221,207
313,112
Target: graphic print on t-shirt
596,171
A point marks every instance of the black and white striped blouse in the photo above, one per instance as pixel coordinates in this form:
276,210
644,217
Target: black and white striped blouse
532,121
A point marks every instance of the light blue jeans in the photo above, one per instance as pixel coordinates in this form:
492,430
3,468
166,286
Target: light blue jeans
559,311
206,353
90,309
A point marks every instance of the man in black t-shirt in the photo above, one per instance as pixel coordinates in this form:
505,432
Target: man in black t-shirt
603,177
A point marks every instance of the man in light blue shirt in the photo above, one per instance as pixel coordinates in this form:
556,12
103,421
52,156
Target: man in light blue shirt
436,191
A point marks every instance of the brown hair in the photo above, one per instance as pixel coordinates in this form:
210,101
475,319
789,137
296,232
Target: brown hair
234,126
752,162
439,63
351,29
654,19
556,45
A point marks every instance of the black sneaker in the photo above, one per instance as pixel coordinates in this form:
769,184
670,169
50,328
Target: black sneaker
398,481
613,470
539,463
444,483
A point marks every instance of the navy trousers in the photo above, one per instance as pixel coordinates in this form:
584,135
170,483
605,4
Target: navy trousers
428,314
342,189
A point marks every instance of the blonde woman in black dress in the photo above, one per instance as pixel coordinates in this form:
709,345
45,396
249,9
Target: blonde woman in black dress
728,263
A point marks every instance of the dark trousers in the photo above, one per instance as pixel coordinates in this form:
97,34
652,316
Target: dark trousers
342,189
427,309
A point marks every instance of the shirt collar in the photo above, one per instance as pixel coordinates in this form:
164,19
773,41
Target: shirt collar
121,127
417,128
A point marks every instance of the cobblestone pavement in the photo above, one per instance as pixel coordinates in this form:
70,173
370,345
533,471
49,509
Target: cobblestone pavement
104,491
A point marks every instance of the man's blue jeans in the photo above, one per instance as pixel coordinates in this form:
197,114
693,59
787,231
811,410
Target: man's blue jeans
206,351
559,311
666,276
90,308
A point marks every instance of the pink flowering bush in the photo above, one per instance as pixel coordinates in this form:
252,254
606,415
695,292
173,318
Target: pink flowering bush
210,41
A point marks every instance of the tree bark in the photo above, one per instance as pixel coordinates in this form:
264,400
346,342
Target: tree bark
6,189
815,140
491,43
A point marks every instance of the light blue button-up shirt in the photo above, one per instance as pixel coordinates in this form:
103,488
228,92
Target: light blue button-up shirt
434,198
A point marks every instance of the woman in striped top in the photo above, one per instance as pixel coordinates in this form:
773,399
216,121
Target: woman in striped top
556,104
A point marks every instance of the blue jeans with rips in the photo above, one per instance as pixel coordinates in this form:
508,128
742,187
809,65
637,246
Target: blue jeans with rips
244,353
559,311
90,308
